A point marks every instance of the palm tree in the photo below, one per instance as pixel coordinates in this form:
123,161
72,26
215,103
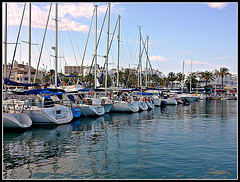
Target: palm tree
191,79
52,72
172,77
207,76
180,77
165,82
223,72
90,83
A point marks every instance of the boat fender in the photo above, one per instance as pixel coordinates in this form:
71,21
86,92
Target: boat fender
128,100
175,95
138,99
148,98
103,102
144,99
110,96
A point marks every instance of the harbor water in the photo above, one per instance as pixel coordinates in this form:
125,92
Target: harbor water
196,141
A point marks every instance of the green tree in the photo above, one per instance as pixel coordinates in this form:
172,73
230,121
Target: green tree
223,72
171,77
207,76
165,82
194,81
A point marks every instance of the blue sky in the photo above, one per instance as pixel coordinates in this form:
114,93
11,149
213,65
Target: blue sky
203,32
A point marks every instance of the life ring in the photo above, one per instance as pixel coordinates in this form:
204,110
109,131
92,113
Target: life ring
128,100
144,99
62,83
148,98
102,102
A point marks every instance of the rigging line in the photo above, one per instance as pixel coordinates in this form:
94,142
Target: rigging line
109,48
40,54
130,50
137,67
17,41
97,43
89,31
154,54
150,66
70,37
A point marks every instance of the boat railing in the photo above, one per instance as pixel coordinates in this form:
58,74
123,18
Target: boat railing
13,105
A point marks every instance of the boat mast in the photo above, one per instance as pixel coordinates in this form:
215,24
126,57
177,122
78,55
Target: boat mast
5,47
191,79
56,44
140,62
118,37
146,64
29,45
109,4
183,76
95,73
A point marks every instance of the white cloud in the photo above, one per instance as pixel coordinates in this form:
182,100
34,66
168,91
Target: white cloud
217,5
68,14
194,62
221,58
185,53
157,58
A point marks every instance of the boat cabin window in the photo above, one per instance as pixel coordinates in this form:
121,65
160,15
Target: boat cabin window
48,102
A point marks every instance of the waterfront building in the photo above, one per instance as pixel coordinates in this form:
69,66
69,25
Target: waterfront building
20,73
78,69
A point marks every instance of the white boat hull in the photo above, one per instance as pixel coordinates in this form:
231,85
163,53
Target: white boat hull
16,120
157,102
142,105
122,106
150,105
189,97
51,116
92,110
108,107
170,101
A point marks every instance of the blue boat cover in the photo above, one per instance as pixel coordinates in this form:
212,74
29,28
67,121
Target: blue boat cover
71,97
42,91
9,82
142,93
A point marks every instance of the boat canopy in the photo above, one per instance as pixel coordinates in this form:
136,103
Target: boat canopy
9,82
143,93
45,91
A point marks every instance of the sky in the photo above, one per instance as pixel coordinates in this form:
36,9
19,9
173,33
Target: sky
205,33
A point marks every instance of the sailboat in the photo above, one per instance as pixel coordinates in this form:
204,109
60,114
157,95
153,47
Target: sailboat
150,102
16,120
103,96
45,108
141,101
123,102
13,117
89,105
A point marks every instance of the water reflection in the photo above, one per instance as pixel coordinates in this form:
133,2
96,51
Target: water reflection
148,144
